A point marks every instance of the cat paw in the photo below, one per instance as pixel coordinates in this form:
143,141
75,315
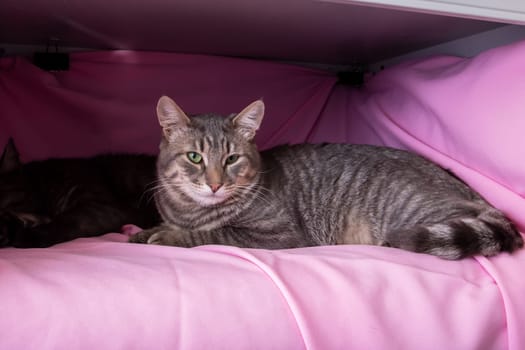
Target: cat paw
141,237
160,235
159,239
155,239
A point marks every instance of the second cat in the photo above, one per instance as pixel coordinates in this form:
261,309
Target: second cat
56,200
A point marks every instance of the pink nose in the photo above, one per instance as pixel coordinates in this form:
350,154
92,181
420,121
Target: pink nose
215,187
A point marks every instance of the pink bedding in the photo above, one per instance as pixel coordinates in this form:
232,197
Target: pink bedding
102,293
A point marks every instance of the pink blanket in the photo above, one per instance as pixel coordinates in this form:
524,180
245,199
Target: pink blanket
102,293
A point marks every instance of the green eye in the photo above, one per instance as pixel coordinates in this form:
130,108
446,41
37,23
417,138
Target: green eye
232,159
194,157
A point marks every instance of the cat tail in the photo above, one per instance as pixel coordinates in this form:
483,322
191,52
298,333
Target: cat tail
488,233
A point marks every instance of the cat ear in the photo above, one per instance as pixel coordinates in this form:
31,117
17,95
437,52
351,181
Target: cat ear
247,122
10,159
171,117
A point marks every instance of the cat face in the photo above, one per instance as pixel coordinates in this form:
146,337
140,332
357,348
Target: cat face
208,158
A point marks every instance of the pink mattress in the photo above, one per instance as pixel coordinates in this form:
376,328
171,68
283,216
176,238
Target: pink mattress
103,293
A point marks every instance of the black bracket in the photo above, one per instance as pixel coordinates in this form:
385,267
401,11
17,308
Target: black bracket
353,77
51,61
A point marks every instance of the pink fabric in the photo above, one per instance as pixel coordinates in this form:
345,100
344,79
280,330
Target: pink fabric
100,293
466,114
106,101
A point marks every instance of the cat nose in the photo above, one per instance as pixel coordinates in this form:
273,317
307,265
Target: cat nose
215,187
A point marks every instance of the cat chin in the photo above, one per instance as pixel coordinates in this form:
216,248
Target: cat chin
208,200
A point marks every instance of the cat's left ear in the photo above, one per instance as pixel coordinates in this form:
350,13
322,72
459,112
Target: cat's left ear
10,159
248,121
171,117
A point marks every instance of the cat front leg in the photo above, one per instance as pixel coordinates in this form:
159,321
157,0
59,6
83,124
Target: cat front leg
242,237
173,236
157,231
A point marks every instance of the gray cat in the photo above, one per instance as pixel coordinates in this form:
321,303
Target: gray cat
217,188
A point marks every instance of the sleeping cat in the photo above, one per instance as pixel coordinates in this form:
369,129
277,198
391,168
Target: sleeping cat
51,201
217,188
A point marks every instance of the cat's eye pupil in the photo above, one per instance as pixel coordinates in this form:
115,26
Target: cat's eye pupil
194,157
232,159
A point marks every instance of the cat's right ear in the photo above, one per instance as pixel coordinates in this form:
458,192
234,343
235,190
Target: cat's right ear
171,117
10,159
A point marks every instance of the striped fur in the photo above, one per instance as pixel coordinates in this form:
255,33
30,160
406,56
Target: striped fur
306,195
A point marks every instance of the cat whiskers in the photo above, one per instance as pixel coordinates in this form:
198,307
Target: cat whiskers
150,189
237,196
162,187
259,191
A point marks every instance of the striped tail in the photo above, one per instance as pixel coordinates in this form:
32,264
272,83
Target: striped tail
487,234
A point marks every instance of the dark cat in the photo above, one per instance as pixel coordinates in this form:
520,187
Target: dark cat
216,188
51,201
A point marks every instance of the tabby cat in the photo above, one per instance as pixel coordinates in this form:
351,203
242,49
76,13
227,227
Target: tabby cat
217,188
51,201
